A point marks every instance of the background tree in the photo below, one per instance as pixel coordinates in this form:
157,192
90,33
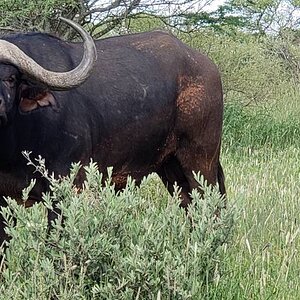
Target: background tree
100,17
255,17
263,16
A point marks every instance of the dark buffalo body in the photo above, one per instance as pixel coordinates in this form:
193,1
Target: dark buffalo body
150,104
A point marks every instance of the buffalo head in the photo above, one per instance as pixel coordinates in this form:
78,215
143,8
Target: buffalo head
26,84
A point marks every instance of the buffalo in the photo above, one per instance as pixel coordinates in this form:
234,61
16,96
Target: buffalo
148,103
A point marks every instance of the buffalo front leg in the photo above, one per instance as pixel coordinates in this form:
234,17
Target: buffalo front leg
3,236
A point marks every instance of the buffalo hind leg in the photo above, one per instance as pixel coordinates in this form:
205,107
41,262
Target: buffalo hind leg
206,162
171,172
180,169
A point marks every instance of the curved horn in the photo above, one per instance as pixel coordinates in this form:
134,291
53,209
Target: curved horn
10,53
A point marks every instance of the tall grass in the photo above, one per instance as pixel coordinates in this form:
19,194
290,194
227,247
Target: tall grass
263,261
261,158
259,126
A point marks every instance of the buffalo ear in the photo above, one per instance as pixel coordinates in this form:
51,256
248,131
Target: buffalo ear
32,98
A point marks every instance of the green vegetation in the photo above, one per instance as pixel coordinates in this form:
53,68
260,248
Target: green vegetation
263,260
254,128
138,244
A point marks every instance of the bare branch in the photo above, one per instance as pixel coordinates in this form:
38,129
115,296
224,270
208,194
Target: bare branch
100,16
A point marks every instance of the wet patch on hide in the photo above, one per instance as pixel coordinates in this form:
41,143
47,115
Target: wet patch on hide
191,94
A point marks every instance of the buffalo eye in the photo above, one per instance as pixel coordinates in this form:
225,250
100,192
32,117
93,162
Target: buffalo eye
10,81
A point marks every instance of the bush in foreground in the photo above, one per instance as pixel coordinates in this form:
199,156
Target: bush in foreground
134,244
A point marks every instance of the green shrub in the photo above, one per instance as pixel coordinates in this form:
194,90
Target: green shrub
257,127
132,244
